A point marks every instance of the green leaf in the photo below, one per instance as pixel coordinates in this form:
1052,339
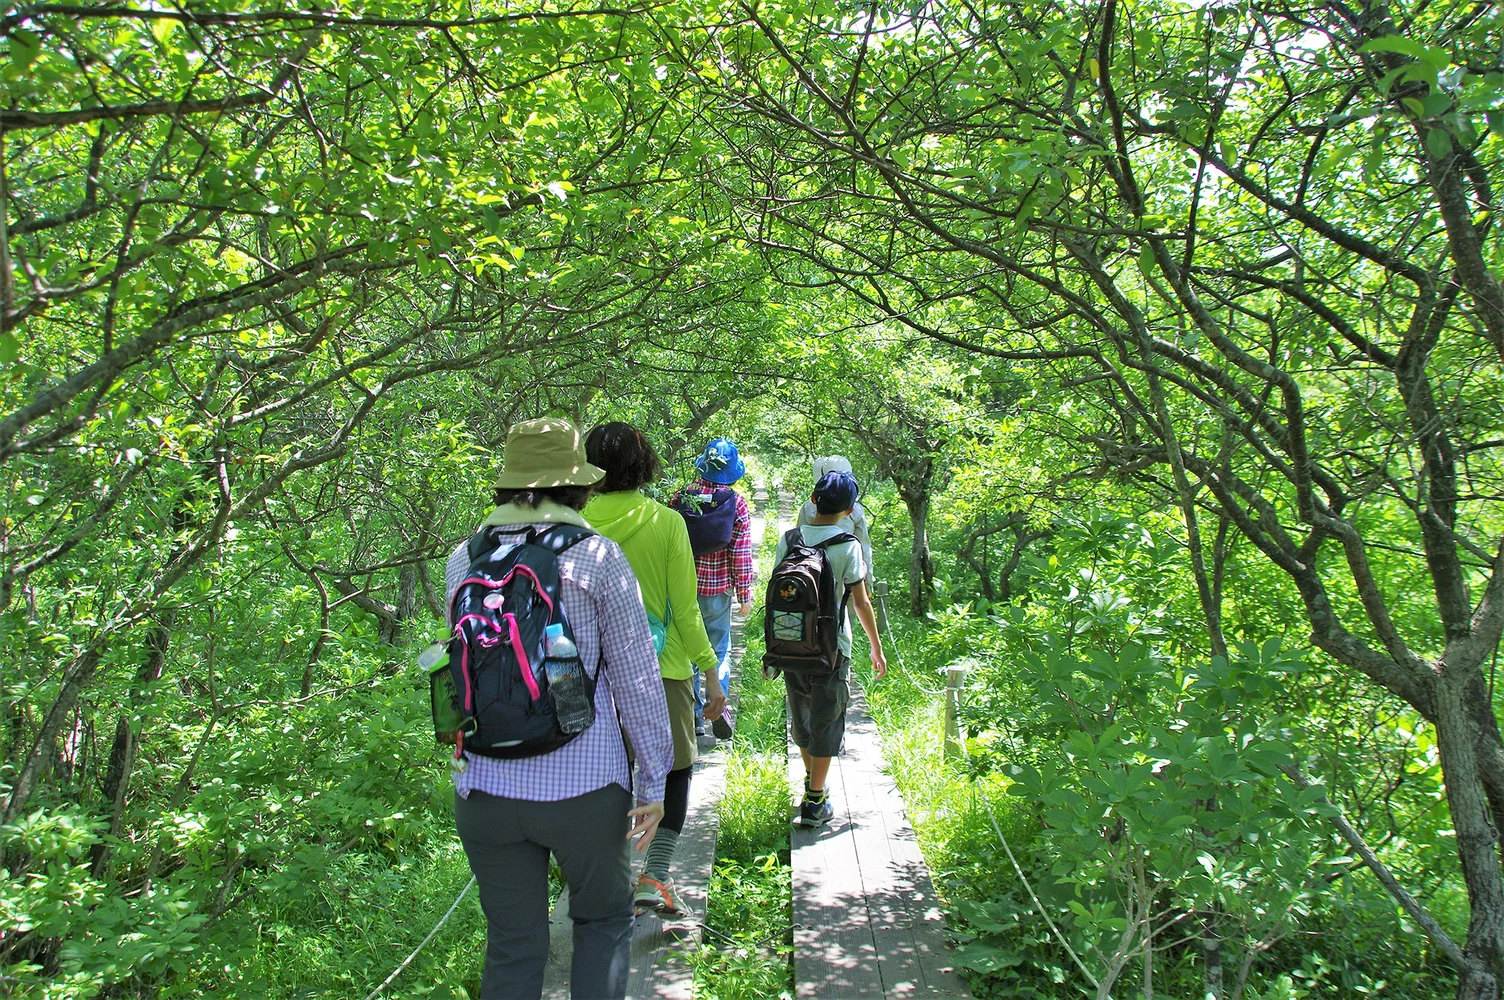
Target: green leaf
1146,262
10,348
1439,143
162,29
1437,102
24,48
1432,54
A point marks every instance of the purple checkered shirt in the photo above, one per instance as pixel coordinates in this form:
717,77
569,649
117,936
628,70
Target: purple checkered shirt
600,596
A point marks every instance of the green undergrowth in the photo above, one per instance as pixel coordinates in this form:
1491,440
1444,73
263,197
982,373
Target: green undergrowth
747,953
955,831
1345,941
351,927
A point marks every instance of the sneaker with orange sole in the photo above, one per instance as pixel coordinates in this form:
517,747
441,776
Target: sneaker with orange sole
662,897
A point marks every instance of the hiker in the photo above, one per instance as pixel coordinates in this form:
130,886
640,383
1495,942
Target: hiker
856,524
720,531
656,544
574,801
819,571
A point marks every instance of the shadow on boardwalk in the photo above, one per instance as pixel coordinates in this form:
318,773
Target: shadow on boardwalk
867,922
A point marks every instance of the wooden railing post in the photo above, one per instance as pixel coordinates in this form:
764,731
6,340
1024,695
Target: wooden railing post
955,681
880,591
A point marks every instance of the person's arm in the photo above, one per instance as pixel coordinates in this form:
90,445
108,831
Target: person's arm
859,524
741,554
631,670
454,572
860,600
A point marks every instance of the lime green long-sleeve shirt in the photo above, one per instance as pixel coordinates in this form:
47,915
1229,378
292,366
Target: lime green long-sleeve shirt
656,544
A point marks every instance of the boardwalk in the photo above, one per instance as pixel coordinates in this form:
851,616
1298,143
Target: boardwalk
866,919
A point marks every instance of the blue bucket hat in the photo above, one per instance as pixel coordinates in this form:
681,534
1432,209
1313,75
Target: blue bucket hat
835,492
720,464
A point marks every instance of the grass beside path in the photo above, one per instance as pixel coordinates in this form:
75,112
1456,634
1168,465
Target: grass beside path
747,953
965,859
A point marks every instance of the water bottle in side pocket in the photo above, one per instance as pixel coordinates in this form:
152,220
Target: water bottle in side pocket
566,682
443,698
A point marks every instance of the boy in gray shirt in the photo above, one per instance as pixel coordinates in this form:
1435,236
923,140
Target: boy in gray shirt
817,702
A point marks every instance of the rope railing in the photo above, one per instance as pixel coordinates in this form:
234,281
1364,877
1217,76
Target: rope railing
424,943
903,668
952,690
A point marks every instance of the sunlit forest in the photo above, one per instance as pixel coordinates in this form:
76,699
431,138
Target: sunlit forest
1166,340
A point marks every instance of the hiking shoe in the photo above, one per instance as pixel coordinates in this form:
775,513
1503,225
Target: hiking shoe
725,727
662,897
813,814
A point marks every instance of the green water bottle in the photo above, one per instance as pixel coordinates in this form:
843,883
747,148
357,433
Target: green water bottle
443,697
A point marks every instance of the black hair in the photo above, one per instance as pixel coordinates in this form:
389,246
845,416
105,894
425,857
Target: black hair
835,506
573,497
625,453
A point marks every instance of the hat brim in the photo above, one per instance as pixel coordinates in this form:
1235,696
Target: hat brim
721,477
585,474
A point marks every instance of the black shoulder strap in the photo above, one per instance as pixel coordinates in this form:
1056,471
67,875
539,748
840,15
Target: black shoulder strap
562,537
827,569
487,536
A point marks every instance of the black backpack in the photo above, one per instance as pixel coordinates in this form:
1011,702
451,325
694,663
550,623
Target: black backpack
801,616
711,523
509,596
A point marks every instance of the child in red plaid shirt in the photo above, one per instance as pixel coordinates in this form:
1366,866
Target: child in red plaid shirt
725,572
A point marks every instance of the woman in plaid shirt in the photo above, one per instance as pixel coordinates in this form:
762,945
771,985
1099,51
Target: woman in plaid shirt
573,802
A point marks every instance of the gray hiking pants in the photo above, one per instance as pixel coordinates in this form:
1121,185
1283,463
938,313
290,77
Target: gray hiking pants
508,842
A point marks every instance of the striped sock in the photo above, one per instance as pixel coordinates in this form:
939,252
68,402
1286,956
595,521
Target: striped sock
661,853
813,797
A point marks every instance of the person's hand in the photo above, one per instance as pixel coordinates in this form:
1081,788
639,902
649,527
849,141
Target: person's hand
879,662
644,822
715,704
744,608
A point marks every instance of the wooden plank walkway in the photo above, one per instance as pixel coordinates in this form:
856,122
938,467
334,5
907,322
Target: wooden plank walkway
658,968
867,922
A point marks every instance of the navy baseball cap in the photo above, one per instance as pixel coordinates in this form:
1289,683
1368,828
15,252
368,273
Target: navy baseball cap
835,492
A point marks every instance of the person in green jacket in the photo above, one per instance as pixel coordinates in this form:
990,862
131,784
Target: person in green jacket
656,544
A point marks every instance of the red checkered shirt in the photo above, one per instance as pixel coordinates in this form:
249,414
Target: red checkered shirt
719,571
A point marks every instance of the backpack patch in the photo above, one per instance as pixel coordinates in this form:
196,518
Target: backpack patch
513,686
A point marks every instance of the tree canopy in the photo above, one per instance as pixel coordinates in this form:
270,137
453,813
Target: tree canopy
1167,339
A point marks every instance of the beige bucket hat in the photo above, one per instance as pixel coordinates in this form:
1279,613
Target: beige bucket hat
545,452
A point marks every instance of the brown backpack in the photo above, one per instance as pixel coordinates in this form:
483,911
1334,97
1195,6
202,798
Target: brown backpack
801,617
